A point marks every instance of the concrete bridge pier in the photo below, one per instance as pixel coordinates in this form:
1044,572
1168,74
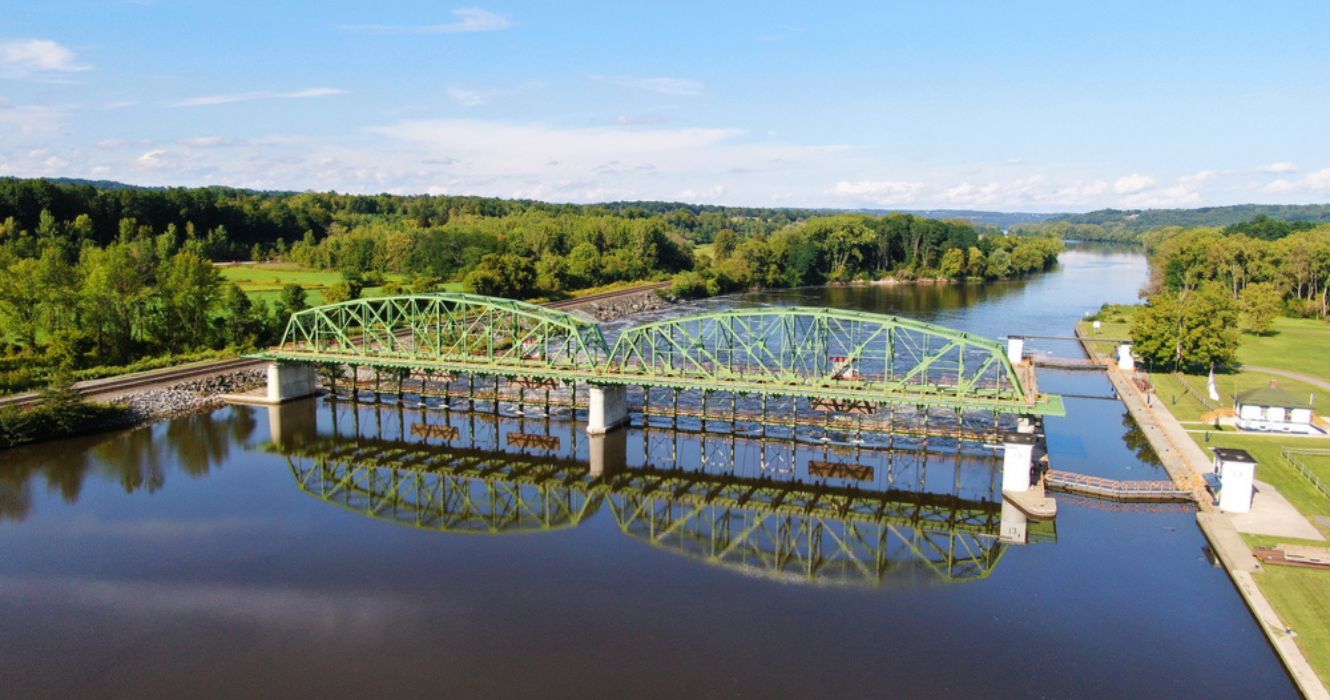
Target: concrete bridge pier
1017,461
607,408
292,424
1015,525
291,380
1015,349
608,453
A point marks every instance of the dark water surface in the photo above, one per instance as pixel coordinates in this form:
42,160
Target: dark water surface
317,551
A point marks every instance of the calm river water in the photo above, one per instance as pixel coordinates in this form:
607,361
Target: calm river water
224,555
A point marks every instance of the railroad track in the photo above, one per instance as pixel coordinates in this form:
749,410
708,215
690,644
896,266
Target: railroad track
141,380
172,375
601,296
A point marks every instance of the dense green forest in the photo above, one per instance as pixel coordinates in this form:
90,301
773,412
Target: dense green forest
858,246
93,276
1209,283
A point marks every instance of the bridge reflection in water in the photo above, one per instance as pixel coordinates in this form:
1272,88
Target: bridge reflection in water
793,509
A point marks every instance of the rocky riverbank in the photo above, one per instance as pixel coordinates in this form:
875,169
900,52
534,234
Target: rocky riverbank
626,305
190,396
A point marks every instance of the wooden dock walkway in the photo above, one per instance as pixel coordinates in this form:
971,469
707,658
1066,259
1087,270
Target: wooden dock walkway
1113,489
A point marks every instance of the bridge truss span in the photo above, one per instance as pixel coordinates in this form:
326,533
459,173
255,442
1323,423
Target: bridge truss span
459,329
834,360
828,349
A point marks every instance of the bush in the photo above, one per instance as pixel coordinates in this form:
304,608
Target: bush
688,285
61,415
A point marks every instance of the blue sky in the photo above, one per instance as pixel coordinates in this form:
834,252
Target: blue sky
1027,106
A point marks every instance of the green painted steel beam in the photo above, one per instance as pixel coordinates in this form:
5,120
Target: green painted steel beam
790,351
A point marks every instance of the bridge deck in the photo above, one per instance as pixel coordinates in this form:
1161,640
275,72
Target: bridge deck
915,395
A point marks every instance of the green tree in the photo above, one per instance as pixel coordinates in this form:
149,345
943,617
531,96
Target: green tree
115,291
584,266
187,289
339,292
999,264
21,295
1188,330
1261,303
725,243
976,263
506,275
293,299
242,324
953,263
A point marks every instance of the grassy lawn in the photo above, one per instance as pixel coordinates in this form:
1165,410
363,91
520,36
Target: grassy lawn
1186,407
264,281
1302,599
1298,345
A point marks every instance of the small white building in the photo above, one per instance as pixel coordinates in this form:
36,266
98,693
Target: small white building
1271,409
1234,479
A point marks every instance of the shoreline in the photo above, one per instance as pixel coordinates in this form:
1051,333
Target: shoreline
1184,464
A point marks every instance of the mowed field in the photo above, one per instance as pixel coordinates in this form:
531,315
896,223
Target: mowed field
264,281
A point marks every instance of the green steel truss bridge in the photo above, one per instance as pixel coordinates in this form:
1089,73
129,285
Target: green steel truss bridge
826,355
812,533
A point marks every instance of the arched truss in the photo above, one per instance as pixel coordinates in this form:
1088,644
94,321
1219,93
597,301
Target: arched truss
834,356
465,329
873,354
806,532
805,547
445,490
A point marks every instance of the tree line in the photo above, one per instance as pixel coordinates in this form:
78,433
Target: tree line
849,247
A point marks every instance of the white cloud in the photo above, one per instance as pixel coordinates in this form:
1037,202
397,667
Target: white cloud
109,144
260,95
471,19
1184,192
1315,182
1200,176
678,87
1133,184
503,147
707,195
883,192
467,97
150,160
203,141
21,57
1280,168
29,120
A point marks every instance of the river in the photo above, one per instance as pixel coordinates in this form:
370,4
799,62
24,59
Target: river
198,557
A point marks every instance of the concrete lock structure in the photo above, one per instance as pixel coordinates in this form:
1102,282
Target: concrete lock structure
607,408
1236,470
1015,349
1017,460
289,380
1014,525
1125,360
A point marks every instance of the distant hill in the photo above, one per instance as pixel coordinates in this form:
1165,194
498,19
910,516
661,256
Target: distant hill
1140,220
1001,219
99,184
